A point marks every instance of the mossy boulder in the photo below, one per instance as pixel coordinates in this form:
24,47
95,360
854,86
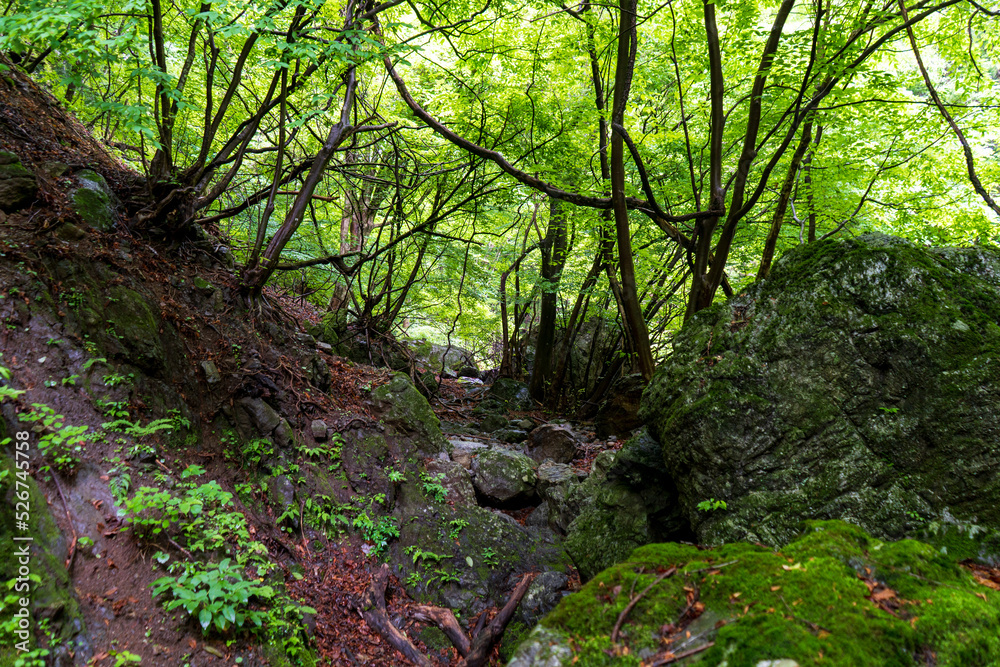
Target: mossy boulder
408,414
859,381
463,556
503,477
626,502
51,597
94,201
134,329
834,597
18,186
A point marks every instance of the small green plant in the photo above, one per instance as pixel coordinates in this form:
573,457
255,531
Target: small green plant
490,557
255,452
395,476
217,594
890,411
70,381
123,658
53,341
75,298
59,444
711,505
85,542
90,362
377,531
115,379
432,486
113,410
425,557
455,527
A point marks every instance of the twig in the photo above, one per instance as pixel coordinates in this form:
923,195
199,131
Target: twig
681,656
634,601
445,619
69,520
180,548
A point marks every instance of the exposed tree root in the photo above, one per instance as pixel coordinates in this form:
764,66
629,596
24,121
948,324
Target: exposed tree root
475,651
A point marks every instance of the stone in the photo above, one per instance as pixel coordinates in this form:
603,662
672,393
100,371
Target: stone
456,479
259,414
55,169
511,436
305,339
463,451
202,285
408,413
320,431
525,424
468,372
627,501
503,477
510,395
70,232
542,597
859,381
211,371
324,347
18,186
828,572
93,201
428,384
618,414
553,474
492,422
281,492
552,441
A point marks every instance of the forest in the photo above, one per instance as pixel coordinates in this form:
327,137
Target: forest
441,332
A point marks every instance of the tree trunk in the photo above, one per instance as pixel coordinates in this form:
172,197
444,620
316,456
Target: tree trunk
553,259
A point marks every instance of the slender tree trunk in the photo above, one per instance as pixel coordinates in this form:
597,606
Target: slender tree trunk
634,321
778,219
553,260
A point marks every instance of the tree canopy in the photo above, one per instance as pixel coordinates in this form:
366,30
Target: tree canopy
504,171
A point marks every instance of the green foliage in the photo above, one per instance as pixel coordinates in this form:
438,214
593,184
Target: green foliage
217,595
432,486
378,531
711,505
59,444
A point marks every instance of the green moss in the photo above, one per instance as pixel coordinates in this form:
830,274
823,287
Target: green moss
805,603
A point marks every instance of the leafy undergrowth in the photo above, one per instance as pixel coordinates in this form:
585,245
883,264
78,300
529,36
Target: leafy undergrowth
833,597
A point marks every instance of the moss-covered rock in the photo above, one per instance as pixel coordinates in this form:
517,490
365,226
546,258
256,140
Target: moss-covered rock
134,328
464,557
93,201
627,501
859,381
811,603
504,477
18,186
52,596
408,413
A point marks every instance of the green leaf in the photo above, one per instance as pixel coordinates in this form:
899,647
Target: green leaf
205,618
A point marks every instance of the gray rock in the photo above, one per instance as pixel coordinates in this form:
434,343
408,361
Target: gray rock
281,492
18,186
456,479
840,388
553,474
319,430
543,648
504,477
212,375
408,413
542,597
492,422
552,441
510,394
511,436
93,201
258,414
525,424
629,500
463,451
618,414
324,347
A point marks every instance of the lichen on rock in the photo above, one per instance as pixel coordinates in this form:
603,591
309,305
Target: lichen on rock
859,381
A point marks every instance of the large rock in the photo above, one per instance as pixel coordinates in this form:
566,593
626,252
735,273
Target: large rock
18,186
629,500
619,412
504,477
408,413
94,201
860,381
877,603
552,441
